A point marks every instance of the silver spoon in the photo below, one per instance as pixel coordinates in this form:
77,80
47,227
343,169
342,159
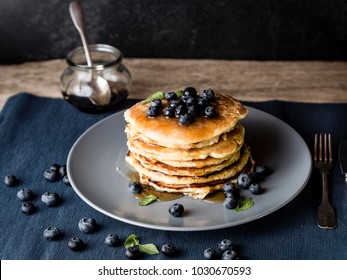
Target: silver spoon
101,93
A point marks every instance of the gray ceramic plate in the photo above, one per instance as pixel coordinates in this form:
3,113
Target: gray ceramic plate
93,160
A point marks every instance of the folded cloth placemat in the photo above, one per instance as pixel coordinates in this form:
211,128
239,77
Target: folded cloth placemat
36,132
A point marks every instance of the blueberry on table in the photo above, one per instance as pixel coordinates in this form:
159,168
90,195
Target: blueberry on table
225,245
230,255
62,171
25,194
50,199
51,233
76,244
244,180
256,189
176,210
87,225
133,253
28,208
11,180
55,167
66,181
210,254
51,175
135,187
112,240
168,249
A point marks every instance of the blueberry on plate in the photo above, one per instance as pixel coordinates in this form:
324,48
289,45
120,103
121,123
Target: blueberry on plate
76,244
230,255
210,254
229,186
28,208
25,194
168,249
87,225
112,240
135,187
225,245
176,210
11,180
133,253
51,199
51,233
230,203
262,170
256,188
244,180
51,175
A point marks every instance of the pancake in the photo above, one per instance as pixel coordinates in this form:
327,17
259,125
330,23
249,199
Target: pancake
166,131
227,145
223,174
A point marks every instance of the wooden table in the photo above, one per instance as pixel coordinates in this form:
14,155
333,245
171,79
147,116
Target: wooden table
246,80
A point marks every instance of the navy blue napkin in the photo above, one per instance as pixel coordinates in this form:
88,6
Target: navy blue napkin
36,132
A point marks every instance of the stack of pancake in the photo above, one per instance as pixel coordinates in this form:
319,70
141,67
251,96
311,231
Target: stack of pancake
194,160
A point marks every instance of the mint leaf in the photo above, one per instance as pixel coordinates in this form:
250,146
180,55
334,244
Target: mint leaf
149,249
244,204
131,241
158,94
179,93
147,200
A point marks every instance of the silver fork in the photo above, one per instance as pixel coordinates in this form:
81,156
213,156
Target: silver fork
323,160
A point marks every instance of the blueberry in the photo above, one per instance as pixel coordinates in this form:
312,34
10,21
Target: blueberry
169,112
193,111
62,171
51,175
232,194
135,187
52,233
51,199
262,170
210,254
156,103
190,92
112,240
210,112
244,180
229,186
230,203
87,225
28,208
180,110
55,167
185,119
202,102
207,93
66,180
25,194
173,104
225,245
76,244
152,112
256,177
190,101
230,255
255,188
168,249
170,96
176,210
11,180
133,253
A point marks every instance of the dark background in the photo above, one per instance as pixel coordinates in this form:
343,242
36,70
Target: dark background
32,30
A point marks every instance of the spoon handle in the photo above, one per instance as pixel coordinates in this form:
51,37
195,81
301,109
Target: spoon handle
77,15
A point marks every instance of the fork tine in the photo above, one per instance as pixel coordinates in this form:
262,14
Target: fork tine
320,147
330,149
325,148
315,147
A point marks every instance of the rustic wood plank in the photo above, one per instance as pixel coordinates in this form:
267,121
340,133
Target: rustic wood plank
302,81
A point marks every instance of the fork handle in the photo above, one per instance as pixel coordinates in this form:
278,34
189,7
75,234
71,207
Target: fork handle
325,194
